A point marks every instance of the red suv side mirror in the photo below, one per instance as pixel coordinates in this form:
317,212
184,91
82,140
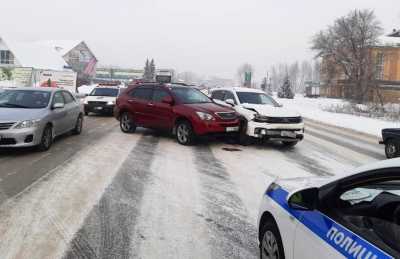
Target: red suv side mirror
168,100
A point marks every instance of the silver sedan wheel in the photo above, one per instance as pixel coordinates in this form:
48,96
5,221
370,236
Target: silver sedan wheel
182,133
269,246
79,124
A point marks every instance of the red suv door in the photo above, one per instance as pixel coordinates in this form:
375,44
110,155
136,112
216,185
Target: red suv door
139,100
162,113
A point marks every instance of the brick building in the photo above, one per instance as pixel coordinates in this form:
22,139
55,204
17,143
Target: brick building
386,64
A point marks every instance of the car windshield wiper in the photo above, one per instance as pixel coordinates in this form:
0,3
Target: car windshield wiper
13,105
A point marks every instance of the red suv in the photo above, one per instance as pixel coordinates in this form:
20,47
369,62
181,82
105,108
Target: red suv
183,110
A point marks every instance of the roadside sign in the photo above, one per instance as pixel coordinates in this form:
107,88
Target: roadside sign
62,79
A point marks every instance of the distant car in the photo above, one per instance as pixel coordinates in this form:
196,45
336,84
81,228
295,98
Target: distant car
391,140
182,110
262,117
352,216
35,116
101,100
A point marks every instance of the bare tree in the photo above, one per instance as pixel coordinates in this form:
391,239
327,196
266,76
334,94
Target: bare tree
293,73
346,44
316,71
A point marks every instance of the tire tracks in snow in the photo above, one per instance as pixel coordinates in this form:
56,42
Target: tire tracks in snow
232,236
25,167
106,232
41,221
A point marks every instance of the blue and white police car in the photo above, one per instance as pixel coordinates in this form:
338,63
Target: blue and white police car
352,216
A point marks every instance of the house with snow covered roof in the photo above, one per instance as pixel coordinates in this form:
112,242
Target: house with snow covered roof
77,54
50,54
28,54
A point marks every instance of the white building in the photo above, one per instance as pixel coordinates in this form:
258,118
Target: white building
30,54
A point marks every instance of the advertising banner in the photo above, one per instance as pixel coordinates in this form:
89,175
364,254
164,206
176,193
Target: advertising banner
62,79
16,77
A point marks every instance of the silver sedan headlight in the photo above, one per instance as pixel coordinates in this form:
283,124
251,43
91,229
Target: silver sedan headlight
27,124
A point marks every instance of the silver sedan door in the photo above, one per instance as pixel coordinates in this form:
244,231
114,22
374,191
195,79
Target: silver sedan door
59,115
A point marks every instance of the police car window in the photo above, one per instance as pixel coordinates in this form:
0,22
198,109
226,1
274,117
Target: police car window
219,95
142,93
158,95
374,210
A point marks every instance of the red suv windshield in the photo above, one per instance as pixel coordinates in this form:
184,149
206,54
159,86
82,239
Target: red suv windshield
190,95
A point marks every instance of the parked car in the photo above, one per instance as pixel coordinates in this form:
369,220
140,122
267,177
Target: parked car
35,116
391,140
351,216
261,116
102,100
183,110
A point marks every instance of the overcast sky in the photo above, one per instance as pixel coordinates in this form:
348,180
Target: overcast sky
211,37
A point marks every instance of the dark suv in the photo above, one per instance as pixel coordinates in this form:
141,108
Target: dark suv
183,110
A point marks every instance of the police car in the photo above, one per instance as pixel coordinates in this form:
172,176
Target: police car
352,216
102,100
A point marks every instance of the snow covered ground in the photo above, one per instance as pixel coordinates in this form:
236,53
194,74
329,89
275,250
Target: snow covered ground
313,108
143,195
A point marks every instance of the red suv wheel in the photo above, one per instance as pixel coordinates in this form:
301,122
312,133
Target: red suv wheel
184,133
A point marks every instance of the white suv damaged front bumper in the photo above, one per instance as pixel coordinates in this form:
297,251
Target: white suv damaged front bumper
276,131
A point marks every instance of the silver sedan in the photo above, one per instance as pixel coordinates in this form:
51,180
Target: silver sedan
35,116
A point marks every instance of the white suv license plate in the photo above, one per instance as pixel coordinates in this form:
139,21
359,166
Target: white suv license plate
289,134
232,129
99,108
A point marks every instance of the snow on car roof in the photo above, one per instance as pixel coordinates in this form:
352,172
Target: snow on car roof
239,89
43,89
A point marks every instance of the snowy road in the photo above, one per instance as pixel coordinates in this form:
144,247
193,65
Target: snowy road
110,195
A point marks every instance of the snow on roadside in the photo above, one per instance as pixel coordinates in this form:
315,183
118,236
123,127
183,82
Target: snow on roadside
41,222
253,169
312,108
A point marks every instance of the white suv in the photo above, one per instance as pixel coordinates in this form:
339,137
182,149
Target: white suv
262,116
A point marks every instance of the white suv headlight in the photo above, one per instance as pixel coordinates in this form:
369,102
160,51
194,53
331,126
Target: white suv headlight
110,102
205,116
27,124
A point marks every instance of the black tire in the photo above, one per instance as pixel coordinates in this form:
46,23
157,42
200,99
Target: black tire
86,113
78,126
126,123
271,241
392,148
244,139
47,139
184,133
289,144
